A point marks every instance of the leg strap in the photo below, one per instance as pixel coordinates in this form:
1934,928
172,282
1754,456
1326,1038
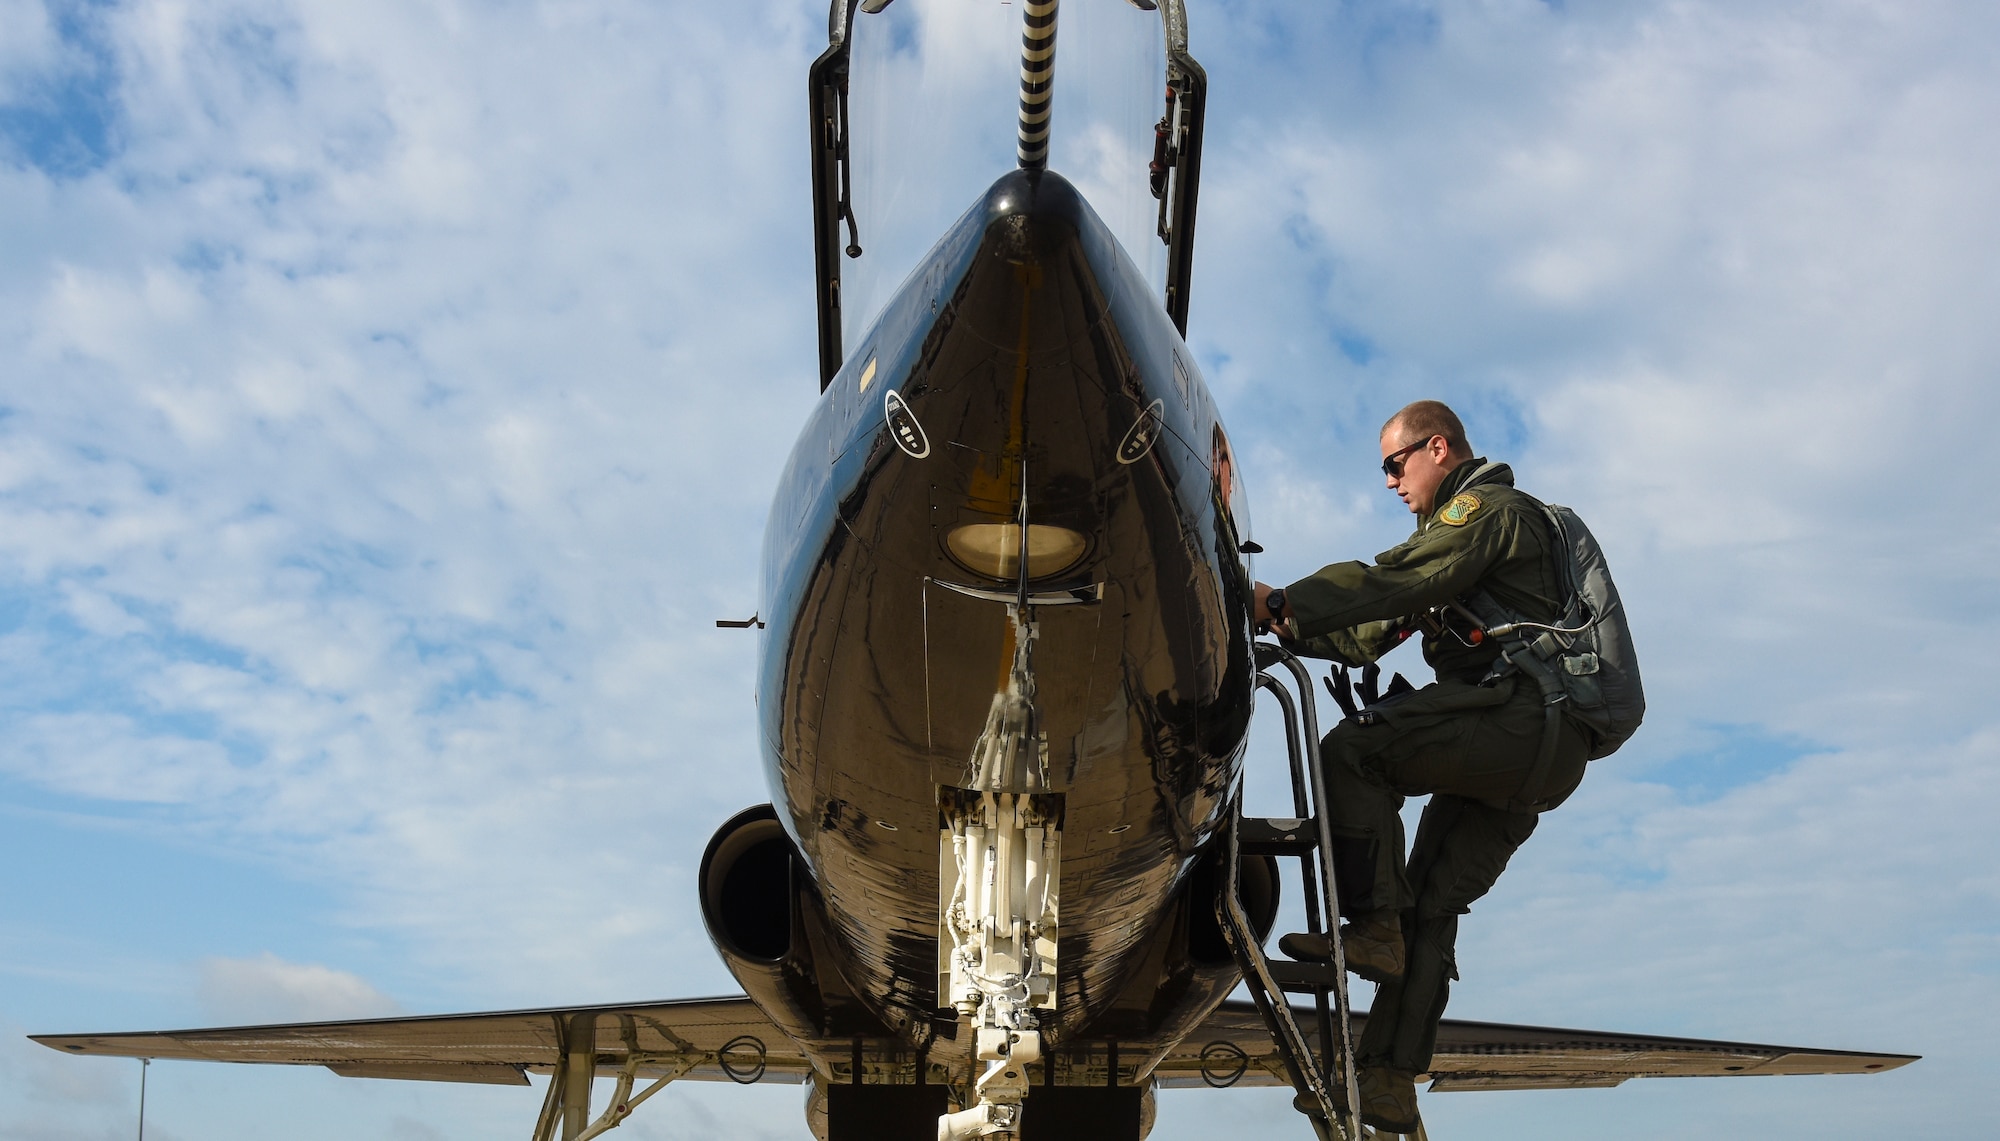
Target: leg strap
1553,696
1545,759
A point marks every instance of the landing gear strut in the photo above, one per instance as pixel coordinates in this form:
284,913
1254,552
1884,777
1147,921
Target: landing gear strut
1002,851
566,1110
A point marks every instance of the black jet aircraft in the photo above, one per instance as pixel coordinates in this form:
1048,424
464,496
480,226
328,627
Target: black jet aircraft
1005,683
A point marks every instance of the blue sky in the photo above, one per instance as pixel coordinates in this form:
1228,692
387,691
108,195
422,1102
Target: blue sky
391,394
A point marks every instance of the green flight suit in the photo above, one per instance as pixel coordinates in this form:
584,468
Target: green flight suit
1470,747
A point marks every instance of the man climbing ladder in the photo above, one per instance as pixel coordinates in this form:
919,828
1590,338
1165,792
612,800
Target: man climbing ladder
1491,581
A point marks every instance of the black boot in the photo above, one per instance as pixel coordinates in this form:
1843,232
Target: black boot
1373,943
1388,1099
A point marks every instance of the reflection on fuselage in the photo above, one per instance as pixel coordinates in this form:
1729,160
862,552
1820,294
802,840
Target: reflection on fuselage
1026,349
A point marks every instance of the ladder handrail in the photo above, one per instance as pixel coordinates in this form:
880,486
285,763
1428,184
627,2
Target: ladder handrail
1301,804
1308,861
1329,890
1308,1073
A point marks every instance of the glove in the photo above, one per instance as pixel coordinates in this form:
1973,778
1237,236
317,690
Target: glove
1338,685
1370,688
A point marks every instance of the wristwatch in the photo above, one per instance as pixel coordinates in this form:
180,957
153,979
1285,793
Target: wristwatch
1275,603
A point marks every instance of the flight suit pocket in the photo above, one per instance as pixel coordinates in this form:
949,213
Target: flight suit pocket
1441,699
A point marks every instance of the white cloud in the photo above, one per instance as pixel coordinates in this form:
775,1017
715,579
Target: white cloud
265,988
98,613
410,485
48,1077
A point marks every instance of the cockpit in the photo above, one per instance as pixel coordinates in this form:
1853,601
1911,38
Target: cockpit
918,105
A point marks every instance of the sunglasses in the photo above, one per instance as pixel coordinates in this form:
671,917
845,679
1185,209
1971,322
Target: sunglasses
1392,464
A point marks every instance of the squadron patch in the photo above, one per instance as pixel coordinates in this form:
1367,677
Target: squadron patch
1460,510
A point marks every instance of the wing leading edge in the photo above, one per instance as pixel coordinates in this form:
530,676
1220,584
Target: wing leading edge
720,1038
1232,1047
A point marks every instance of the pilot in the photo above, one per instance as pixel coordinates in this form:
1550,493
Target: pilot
1470,741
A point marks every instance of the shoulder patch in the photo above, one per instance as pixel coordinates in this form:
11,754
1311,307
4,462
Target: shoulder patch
1460,510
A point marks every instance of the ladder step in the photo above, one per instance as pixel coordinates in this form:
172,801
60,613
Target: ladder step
1302,978
1277,836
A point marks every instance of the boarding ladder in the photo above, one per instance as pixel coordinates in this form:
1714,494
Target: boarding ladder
1324,1081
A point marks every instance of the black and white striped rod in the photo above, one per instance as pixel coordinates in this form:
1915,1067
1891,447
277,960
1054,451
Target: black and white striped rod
1038,72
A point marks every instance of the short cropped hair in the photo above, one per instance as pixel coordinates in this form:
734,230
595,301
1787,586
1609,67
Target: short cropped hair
1427,418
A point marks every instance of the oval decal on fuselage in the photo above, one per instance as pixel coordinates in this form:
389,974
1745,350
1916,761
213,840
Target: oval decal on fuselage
903,426
1139,439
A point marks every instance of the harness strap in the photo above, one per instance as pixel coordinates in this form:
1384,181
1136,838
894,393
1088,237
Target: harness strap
1553,696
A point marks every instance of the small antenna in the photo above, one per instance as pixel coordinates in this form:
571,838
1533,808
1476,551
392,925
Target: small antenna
144,1065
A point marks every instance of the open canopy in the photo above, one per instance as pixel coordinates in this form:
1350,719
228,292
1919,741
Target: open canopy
920,104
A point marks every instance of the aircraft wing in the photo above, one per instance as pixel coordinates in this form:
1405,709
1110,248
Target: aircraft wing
1231,1047
727,1038
730,1039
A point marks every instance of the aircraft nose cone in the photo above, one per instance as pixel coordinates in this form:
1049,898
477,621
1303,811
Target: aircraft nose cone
1027,352
1042,244
1031,213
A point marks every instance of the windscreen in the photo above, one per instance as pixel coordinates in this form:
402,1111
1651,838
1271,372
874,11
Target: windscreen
933,95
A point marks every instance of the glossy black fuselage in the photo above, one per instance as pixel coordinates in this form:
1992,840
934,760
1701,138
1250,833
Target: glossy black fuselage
1026,339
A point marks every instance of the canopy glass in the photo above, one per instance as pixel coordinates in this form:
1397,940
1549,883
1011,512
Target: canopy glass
934,89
